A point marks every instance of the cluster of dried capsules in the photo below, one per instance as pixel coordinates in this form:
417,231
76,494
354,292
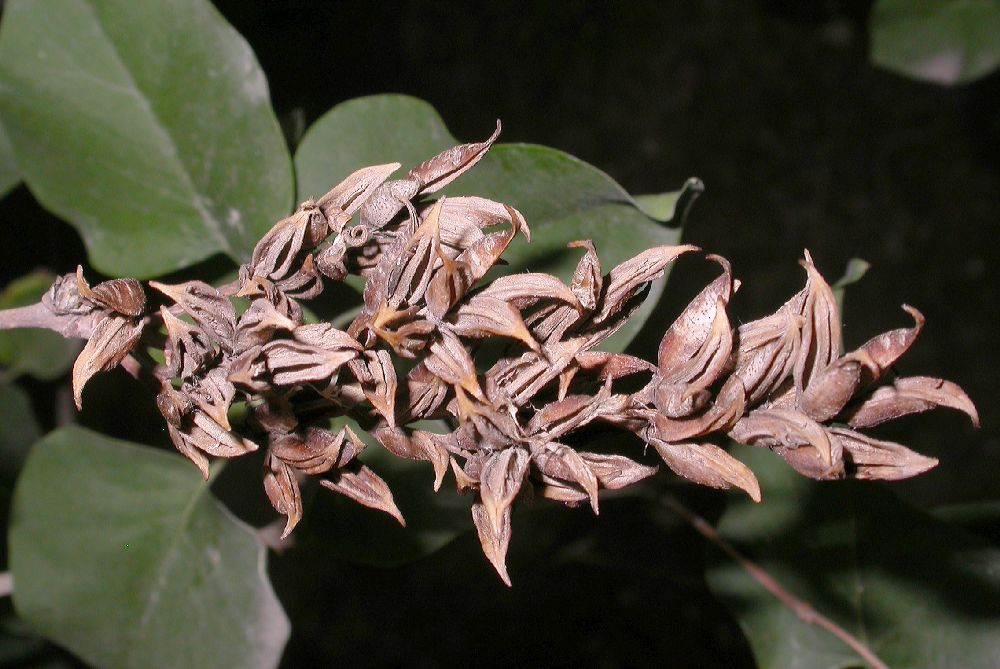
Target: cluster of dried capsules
781,382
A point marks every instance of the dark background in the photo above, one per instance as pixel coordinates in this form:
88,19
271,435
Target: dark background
801,143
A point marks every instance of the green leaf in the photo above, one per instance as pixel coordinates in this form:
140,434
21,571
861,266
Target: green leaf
562,198
352,532
42,353
9,176
367,131
18,431
20,646
943,41
665,206
854,272
147,125
120,554
917,591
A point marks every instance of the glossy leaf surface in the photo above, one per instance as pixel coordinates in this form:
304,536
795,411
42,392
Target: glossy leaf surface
943,41
122,555
147,125
918,591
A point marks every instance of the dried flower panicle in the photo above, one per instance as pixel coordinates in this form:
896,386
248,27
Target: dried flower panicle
782,382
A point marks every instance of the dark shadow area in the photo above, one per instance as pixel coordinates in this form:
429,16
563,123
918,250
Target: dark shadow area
853,530
622,590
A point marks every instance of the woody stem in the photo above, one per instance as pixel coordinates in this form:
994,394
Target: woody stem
802,609
40,316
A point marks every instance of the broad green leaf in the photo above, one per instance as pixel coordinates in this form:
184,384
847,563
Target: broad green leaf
147,125
20,646
368,131
674,205
919,592
562,198
353,532
42,353
18,431
121,554
943,41
9,176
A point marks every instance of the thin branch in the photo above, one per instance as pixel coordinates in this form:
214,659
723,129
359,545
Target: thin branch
41,316
32,316
65,410
802,609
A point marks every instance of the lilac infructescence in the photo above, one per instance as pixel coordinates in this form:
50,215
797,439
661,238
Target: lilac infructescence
782,382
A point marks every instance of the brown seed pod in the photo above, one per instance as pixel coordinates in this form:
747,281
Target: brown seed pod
123,296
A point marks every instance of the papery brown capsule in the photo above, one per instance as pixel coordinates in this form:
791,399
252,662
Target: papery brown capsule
455,277
276,254
439,171
377,376
366,488
616,471
768,349
316,451
908,395
123,296
872,458
292,363
831,389
112,340
416,446
425,394
783,428
729,405
558,418
428,177
450,361
524,290
881,352
626,279
709,465
462,220
259,323
211,310
501,478
350,194
562,462
697,323
483,316
588,279
188,350
821,337
283,491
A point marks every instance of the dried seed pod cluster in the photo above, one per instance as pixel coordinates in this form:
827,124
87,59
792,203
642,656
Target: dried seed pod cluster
782,381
